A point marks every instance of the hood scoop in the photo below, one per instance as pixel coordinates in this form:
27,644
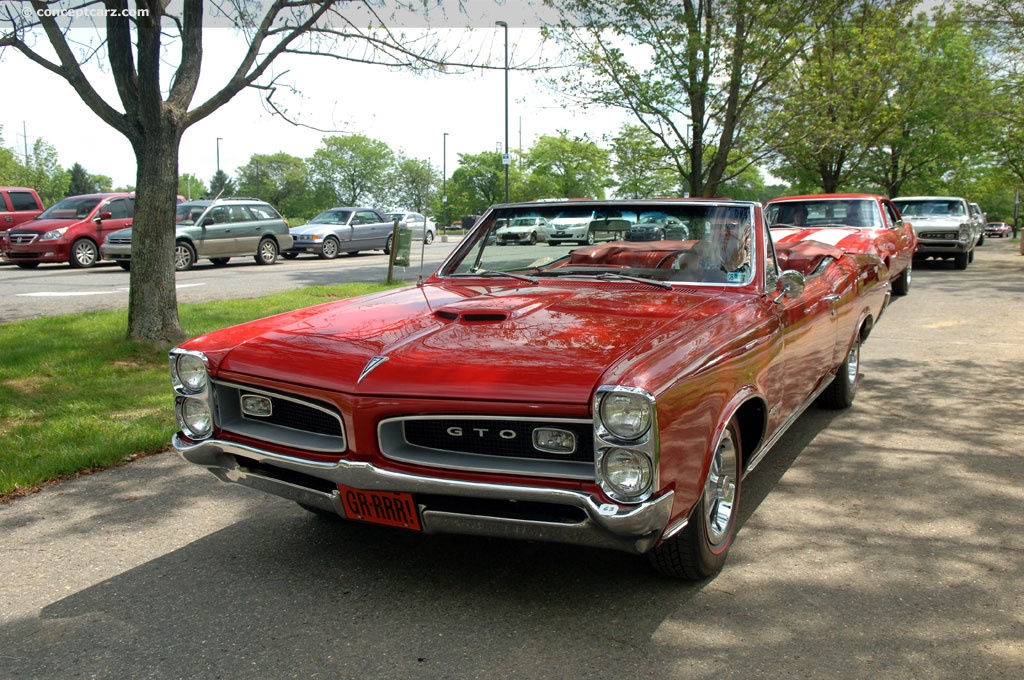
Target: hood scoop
475,316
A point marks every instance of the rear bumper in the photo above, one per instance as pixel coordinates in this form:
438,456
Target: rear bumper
587,520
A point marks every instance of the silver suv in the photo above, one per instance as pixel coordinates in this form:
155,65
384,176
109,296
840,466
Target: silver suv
218,230
944,226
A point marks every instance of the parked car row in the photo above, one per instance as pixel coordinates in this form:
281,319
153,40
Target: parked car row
82,230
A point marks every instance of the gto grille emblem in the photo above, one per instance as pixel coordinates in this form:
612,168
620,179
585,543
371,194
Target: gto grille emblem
481,432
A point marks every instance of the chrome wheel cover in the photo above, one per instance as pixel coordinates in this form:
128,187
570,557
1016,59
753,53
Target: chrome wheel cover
853,363
85,253
720,489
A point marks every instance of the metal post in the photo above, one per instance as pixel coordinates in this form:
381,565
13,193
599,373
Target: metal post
505,159
444,189
218,153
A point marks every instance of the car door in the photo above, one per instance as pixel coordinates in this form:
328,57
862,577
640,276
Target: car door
215,233
245,231
370,230
121,210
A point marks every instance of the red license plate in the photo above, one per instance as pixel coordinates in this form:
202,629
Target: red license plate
393,508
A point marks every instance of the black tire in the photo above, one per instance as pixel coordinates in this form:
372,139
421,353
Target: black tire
125,265
27,265
220,261
901,284
700,549
960,261
842,391
330,248
289,255
533,238
184,256
388,244
981,240
589,240
428,237
267,251
84,254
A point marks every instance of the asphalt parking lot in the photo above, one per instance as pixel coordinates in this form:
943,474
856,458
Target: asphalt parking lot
881,541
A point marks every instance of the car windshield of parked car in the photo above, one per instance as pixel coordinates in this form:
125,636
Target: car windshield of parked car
931,208
332,217
75,207
859,212
696,242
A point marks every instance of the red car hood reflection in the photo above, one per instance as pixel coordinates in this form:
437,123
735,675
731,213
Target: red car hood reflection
539,343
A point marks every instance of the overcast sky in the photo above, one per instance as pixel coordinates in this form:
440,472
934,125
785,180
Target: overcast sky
409,112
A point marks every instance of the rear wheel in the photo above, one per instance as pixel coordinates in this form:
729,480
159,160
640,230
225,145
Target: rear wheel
428,238
267,252
700,549
84,254
388,244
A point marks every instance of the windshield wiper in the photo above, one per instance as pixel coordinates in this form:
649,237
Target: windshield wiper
494,272
608,276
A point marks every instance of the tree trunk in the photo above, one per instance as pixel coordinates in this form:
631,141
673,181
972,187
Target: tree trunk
152,298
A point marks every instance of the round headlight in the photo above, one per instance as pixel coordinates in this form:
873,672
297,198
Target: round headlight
191,372
195,418
627,473
626,414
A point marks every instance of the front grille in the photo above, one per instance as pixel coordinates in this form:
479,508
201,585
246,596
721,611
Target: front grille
950,235
502,445
119,240
294,421
21,239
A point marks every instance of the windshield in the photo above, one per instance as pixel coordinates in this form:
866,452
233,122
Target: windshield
332,217
858,212
680,241
931,208
76,207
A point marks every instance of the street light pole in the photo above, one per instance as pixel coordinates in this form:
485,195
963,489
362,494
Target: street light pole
218,154
444,188
506,158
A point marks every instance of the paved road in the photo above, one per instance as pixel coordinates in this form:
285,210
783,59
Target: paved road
880,542
57,289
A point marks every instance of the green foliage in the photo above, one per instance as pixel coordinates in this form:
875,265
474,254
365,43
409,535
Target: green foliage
191,187
642,166
221,185
415,186
476,184
280,179
353,170
81,182
566,167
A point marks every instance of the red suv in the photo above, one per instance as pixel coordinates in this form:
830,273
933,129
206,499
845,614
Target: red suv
70,231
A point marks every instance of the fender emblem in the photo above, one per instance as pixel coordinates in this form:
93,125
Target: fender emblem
373,363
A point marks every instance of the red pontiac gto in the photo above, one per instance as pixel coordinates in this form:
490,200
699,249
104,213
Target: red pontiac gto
611,395
855,222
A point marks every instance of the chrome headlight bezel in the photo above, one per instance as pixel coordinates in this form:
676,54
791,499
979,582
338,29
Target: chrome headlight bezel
193,402
54,234
618,457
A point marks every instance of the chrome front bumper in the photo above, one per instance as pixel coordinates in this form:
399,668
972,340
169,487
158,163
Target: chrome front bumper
634,529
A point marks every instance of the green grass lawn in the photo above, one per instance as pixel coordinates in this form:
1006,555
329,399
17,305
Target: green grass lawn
76,396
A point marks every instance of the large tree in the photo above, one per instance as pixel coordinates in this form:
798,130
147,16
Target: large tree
355,169
560,166
280,179
153,52
693,72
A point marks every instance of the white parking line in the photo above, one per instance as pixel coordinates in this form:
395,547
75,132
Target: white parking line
79,293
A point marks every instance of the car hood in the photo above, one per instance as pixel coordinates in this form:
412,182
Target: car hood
847,239
43,226
530,344
309,229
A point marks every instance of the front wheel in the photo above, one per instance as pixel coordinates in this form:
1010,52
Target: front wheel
428,238
329,250
842,390
700,549
84,254
901,284
960,261
267,252
184,256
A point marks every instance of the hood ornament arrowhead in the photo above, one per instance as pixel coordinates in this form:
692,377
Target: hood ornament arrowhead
373,363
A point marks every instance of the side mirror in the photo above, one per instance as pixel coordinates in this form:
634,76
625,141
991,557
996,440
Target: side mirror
791,284
206,222
105,215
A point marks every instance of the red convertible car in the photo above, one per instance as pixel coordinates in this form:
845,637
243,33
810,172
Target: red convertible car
611,395
854,222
